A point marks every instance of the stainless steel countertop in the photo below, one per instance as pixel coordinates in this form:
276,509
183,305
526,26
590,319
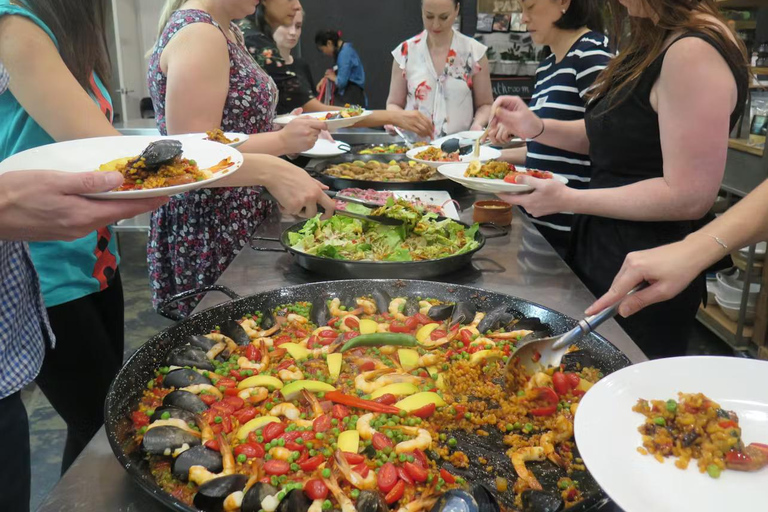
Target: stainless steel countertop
517,265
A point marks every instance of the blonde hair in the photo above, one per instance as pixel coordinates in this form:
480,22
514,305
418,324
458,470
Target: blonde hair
170,7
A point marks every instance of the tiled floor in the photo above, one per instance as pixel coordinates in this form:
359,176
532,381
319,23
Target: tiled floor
141,323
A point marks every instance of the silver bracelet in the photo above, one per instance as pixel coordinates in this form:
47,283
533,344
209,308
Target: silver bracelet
717,239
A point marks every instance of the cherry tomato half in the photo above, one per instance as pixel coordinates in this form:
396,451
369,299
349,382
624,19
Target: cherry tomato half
276,467
396,493
273,430
416,472
388,479
315,489
322,423
380,441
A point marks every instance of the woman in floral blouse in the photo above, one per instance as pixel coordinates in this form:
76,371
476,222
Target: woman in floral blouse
442,73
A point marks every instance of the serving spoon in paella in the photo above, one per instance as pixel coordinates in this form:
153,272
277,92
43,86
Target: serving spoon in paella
366,404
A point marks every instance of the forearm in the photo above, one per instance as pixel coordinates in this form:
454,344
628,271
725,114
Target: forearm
377,119
482,115
394,107
254,171
567,135
515,156
315,105
648,200
270,143
744,224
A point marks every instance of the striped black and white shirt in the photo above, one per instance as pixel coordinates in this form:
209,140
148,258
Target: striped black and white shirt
559,94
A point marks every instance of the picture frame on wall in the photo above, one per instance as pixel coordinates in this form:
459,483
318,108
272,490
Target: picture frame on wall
501,22
485,23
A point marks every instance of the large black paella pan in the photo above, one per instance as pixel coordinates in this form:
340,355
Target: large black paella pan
485,460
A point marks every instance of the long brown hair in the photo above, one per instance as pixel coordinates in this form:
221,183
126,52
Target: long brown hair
640,41
80,30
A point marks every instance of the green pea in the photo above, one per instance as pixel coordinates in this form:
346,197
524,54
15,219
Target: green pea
403,457
166,415
671,406
713,470
218,419
294,467
354,493
326,473
660,421
241,458
327,505
452,442
319,435
528,428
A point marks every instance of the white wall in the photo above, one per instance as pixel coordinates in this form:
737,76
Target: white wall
148,15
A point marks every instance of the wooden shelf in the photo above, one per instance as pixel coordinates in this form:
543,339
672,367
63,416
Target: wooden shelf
759,70
746,25
715,320
744,146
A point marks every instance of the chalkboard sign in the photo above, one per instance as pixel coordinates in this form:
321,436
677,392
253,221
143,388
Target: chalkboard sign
513,86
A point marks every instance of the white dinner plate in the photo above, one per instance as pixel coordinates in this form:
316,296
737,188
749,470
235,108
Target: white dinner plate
486,153
239,138
88,154
607,436
326,149
432,197
333,124
456,172
468,136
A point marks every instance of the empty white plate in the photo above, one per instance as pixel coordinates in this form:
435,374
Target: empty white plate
326,149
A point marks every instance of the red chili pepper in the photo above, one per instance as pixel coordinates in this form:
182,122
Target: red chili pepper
351,322
424,412
548,396
445,475
353,401
386,399
252,353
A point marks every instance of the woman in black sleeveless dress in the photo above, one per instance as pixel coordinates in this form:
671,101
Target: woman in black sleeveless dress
656,129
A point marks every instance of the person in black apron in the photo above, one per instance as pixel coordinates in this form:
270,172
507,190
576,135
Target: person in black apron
632,106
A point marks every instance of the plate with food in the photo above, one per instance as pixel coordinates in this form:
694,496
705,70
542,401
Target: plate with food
389,149
434,156
494,177
342,415
335,119
434,201
686,433
151,166
229,138
326,149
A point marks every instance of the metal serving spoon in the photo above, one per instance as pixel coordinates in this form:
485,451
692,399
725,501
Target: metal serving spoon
538,354
402,136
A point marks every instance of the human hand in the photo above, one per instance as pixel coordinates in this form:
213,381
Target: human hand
319,85
500,135
296,191
547,197
326,135
301,134
669,270
476,127
512,113
330,75
413,121
390,129
48,205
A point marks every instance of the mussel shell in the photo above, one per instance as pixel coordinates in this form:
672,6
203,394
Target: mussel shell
576,360
441,312
540,501
174,413
183,377
185,400
495,319
255,495
451,145
160,439
268,320
456,500
211,495
382,300
197,456
235,331
411,306
201,342
187,355
532,324
295,501
463,313
485,499
371,501
160,152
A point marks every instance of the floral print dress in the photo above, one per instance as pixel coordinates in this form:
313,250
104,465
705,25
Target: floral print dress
196,235
446,98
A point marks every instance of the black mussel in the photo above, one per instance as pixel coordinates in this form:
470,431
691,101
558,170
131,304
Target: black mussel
187,355
486,500
382,300
495,319
160,152
441,312
255,495
183,377
197,456
411,306
211,495
201,342
689,438
267,320
451,145
185,400
531,324
371,501
172,413
320,314
463,313
235,331
456,500
370,452
295,501
576,360
540,501
164,440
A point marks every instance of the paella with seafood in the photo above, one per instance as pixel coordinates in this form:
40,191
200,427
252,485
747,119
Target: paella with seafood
392,149
433,154
346,113
695,427
161,165
367,404
217,135
374,170
494,170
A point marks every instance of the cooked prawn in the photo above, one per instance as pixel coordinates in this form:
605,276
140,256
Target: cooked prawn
317,409
293,317
253,330
220,338
208,388
234,501
383,377
316,506
341,498
200,475
364,427
562,432
215,350
286,409
424,307
422,441
344,327
396,308
539,380
245,364
365,484
424,502
290,373
254,396
523,455
512,335
369,307
335,308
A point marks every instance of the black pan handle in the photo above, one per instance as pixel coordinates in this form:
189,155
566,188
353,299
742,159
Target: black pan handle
165,307
266,249
499,230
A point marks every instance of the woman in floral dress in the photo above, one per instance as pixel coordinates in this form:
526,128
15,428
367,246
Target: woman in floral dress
201,77
442,73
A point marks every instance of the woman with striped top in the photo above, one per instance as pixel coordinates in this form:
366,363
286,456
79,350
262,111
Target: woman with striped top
572,29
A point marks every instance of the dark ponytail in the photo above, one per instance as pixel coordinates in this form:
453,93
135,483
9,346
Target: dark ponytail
323,36
260,20
583,13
